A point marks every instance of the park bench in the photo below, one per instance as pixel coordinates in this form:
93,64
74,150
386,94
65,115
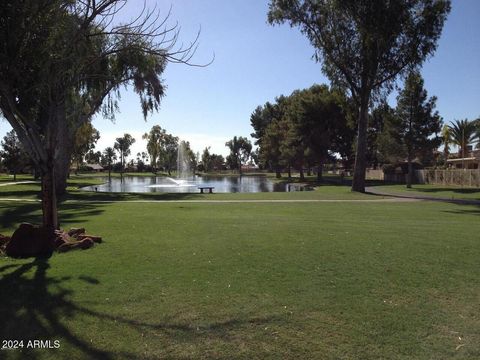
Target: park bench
209,188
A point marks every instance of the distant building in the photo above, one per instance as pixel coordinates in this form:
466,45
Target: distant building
94,167
471,161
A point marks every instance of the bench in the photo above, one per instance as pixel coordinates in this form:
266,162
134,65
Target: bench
209,188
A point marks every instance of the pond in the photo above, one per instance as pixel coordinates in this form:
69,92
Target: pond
222,184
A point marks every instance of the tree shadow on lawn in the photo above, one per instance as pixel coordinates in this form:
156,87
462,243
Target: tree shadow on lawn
106,196
35,305
15,194
452,189
12,214
472,210
32,307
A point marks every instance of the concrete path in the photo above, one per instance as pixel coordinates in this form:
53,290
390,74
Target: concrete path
375,191
18,183
387,200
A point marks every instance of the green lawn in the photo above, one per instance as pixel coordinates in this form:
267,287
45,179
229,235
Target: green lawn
438,191
348,280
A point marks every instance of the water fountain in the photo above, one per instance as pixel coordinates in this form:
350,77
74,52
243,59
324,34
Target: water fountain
184,173
183,162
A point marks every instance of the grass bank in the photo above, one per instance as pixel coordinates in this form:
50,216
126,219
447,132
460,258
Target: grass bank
251,281
437,191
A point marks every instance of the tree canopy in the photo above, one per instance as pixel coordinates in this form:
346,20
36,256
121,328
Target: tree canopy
240,150
13,156
419,123
63,61
364,45
463,133
122,146
304,129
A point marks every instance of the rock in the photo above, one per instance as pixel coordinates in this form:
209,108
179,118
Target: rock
61,237
29,241
74,232
86,243
4,240
68,246
97,239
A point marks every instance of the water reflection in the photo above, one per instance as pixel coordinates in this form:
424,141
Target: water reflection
222,184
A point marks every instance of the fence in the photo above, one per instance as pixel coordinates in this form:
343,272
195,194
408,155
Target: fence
461,177
458,177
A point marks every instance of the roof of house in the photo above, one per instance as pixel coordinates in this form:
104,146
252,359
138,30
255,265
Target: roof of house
95,166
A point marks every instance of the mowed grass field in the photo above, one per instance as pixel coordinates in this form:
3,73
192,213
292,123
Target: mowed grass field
436,191
326,280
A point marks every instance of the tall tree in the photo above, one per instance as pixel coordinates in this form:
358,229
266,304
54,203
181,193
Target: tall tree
419,123
207,159
364,45
122,146
446,139
86,137
108,157
155,140
12,153
463,133
240,149
264,120
316,115
62,61
169,152
218,162
93,157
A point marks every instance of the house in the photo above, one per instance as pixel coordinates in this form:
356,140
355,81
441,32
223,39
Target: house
94,167
471,161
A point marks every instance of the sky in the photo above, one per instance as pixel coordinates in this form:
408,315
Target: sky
255,62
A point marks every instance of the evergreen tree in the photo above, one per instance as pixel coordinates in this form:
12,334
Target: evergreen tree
419,123
12,153
364,45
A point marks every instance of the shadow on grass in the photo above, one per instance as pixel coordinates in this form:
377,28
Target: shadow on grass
106,196
472,210
30,193
14,214
32,308
452,189
35,305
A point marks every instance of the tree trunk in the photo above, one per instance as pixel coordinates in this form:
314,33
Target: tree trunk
358,183
121,167
278,173
320,172
36,173
49,199
62,169
110,173
289,172
65,139
302,175
410,171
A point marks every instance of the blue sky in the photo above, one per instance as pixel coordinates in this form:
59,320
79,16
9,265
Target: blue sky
255,62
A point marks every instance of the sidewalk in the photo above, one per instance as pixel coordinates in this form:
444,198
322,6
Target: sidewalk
374,191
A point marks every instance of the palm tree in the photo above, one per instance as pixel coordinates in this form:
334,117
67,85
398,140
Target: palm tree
463,133
447,140
109,157
477,123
